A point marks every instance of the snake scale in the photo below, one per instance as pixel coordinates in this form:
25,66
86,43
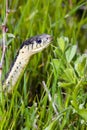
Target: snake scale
28,48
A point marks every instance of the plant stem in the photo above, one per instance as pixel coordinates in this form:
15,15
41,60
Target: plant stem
50,98
4,30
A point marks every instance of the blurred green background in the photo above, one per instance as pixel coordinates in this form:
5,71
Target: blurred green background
59,17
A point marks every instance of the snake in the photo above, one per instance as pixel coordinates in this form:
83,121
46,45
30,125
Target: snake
28,48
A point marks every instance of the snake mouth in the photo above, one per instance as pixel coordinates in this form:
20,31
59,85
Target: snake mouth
48,40
51,38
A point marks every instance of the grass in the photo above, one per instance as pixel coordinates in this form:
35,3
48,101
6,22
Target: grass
62,66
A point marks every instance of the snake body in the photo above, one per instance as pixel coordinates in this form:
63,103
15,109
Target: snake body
28,48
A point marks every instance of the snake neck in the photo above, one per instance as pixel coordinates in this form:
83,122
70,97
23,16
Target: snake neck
17,69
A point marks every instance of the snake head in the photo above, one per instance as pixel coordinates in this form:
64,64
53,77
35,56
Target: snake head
37,43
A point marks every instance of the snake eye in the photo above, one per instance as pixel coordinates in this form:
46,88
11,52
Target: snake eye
38,40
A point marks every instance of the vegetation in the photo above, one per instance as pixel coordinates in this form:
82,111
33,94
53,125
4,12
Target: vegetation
52,93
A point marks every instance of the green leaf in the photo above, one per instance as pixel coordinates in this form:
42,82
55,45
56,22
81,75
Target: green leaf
69,75
61,44
65,85
9,41
53,125
10,35
57,64
70,53
81,65
83,113
10,38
